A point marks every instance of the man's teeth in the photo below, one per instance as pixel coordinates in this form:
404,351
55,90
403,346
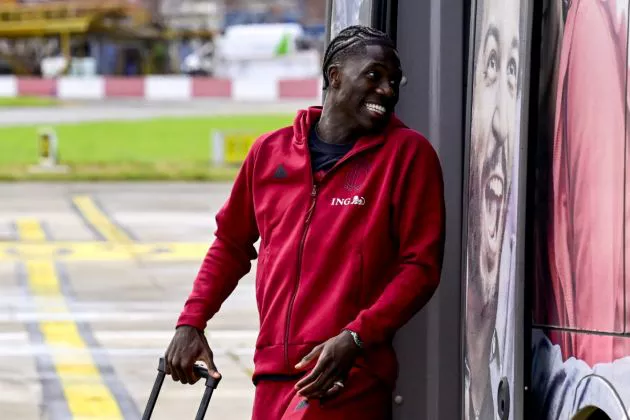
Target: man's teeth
496,186
376,108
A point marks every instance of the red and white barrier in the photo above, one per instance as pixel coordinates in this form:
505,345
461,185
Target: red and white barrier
161,88
8,87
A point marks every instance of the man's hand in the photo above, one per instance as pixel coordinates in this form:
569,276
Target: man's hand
187,347
335,358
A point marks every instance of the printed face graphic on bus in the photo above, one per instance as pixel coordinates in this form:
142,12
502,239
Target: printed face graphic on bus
493,129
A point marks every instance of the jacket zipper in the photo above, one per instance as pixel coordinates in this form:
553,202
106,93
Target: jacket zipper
307,222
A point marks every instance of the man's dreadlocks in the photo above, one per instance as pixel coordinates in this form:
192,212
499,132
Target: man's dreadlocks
350,42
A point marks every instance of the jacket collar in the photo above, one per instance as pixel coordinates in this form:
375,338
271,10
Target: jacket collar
307,117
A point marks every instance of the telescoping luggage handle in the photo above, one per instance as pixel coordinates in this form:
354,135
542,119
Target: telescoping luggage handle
211,385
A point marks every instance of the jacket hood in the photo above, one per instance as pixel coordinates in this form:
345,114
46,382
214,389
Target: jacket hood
305,119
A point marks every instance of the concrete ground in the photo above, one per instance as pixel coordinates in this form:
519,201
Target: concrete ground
92,279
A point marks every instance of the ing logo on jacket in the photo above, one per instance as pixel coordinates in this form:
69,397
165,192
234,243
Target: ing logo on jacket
354,201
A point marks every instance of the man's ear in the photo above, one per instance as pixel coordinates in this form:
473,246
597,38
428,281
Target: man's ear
334,75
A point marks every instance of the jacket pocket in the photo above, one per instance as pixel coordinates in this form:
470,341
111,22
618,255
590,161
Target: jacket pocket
359,280
261,279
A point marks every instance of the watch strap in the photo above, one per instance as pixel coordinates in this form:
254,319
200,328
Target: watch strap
356,338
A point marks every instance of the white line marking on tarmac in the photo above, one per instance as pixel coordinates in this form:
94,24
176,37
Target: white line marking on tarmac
18,301
126,317
31,350
14,336
143,334
216,334
87,316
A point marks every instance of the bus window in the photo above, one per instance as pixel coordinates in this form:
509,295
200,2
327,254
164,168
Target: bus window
580,350
581,215
350,12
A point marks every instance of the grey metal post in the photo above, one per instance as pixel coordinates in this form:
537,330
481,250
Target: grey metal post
430,38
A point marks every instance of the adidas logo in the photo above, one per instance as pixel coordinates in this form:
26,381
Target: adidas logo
280,172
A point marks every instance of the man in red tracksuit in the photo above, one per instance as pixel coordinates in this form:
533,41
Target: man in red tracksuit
349,206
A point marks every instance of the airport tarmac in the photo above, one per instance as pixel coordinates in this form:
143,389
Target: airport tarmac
92,280
135,109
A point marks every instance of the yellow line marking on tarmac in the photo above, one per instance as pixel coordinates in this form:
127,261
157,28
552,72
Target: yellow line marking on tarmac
102,251
30,230
99,220
42,279
236,359
87,394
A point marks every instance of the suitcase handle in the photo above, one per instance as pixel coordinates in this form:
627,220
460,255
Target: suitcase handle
211,385
201,371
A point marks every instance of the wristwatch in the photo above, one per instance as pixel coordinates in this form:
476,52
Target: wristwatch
356,338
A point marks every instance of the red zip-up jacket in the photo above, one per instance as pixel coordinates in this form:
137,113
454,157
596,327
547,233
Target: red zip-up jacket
358,248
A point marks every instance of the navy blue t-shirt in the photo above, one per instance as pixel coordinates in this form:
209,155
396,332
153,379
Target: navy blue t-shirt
325,155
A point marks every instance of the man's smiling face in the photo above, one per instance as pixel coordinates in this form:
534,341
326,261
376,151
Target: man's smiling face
492,136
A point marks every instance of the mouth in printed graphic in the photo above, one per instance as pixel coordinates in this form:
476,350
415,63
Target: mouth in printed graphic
493,198
493,208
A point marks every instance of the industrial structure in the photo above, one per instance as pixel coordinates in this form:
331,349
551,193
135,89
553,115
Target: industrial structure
125,37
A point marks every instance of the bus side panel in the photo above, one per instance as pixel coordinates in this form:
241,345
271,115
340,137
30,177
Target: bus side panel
580,344
494,199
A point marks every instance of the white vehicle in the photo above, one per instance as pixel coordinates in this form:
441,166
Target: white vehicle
255,51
